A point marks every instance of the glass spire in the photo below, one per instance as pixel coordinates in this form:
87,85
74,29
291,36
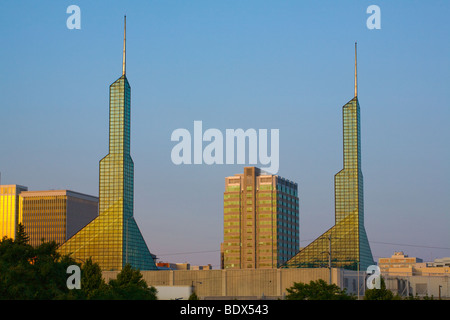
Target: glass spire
345,245
113,238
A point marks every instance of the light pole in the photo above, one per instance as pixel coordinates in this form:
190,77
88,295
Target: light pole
193,288
329,256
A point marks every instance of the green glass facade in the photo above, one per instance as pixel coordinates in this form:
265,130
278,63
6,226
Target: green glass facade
345,245
113,239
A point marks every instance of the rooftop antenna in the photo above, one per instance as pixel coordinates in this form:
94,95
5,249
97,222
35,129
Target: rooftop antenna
124,45
356,75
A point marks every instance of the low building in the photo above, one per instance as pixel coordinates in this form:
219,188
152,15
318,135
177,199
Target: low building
398,261
181,266
409,276
441,262
208,267
166,266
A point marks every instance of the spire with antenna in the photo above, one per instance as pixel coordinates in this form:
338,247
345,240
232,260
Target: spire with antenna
356,75
124,45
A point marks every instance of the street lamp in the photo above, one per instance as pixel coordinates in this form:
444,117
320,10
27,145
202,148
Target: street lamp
193,288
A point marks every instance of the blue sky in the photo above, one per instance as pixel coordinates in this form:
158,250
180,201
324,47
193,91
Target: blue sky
284,65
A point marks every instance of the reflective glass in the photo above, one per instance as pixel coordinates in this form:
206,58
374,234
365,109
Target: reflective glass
345,245
113,238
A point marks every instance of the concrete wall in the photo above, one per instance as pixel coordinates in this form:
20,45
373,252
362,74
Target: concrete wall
244,283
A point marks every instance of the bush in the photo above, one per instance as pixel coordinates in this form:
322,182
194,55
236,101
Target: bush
317,290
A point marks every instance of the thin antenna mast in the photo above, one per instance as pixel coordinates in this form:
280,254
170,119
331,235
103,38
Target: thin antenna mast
356,75
124,45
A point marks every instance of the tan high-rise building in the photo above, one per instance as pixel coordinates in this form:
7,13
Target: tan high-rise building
55,215
9,209
261,220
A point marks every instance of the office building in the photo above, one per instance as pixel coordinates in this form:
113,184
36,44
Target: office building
345,245
55,215
113,239
261,220
9,209
398,260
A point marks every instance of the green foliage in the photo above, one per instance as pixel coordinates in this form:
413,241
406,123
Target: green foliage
317,290
380,294
416,297
92,283
41,273
32,273
193,296
129,285
22,237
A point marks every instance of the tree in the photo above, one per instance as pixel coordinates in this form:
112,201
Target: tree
15,270
21,237
317,290
193,296
130,285
380,294
93,285
50,270
41,273
32,273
